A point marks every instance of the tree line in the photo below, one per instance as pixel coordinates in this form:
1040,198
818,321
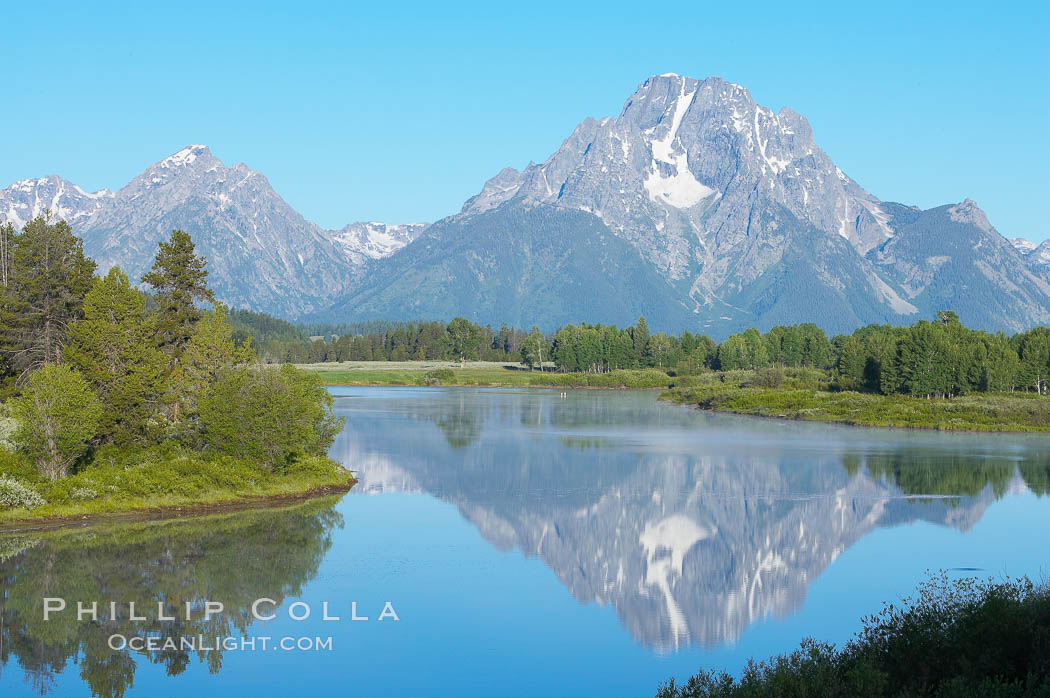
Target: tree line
930,358
89,361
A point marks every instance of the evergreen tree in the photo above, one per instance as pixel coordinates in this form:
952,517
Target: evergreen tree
852,361
179,279
209,351
48,280
925,360
113,349
272,416
640,336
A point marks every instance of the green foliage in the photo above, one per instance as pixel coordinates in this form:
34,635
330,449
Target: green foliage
49,277
464,339
273,416
179,279
113,348
15,495
57,415
532,349
440,376
236,558
209,351
800,399
166,474
768,378
955,638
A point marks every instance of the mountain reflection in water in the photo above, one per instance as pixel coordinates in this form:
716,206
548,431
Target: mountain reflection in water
693,526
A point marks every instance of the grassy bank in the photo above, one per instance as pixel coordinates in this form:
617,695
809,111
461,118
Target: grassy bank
955,638
804,395
155,479
478,373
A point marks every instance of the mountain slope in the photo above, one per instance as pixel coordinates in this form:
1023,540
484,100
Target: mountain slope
952,257
261,253
501,265
746,220
29,198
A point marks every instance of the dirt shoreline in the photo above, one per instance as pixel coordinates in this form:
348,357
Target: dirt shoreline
173,511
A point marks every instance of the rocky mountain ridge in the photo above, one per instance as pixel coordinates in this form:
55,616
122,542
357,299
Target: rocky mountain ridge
696,207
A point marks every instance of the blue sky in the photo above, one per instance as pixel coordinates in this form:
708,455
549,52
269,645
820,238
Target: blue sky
399,112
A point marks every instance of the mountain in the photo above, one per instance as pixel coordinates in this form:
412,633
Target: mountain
696,207
1040,256
742,218
691,543
501,266
1022,245
370,241
27,199
1036,255
261,253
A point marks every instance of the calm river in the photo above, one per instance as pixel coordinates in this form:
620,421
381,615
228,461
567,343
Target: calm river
527,543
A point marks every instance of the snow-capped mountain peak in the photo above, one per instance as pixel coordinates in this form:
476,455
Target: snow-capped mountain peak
1023,246
29,198
373,240
262,254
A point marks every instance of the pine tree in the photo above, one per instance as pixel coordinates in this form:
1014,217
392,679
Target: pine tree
179,279
48,280
640,335
851,362
113,349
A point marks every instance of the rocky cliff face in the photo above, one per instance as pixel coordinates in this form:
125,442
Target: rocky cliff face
741,215
696,207
261,253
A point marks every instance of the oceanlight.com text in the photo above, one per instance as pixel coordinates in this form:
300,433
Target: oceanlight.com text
203,643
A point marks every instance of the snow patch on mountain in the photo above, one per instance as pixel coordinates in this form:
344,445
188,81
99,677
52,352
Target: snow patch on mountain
670,181
26,199
374,240
1022,245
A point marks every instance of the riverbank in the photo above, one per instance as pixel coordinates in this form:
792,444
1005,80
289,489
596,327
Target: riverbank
955,637
478,374
157,481
1015,412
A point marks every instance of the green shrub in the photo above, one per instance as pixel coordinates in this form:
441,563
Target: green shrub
768,378
955,638
439,376
271,416
15,495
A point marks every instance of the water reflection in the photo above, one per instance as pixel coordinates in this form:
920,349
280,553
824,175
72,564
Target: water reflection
233,559
692,526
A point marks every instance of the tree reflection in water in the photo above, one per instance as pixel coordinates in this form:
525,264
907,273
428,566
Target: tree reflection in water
232,558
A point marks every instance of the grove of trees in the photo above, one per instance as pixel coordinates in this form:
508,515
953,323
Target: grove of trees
930,358
90,361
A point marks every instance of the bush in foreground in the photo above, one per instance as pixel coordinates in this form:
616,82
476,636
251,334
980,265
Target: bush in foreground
955,638
271,416
57,414
13,494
